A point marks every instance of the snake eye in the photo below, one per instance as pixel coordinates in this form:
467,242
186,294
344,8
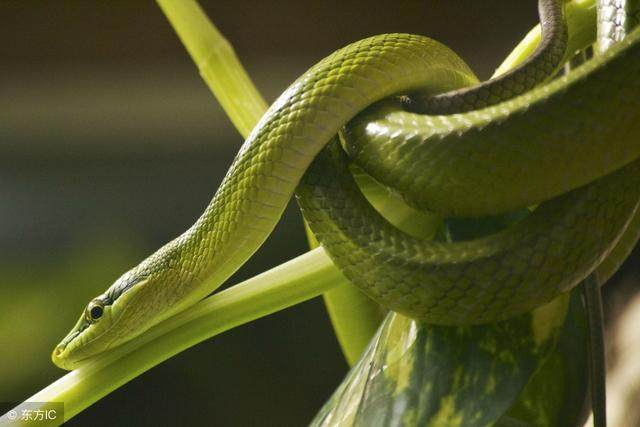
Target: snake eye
94,311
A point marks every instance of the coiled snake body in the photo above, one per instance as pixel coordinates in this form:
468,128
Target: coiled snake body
558,145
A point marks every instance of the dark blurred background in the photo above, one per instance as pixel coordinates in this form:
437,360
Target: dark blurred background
110,145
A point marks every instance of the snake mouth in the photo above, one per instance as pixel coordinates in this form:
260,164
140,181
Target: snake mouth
88,339
60,355
60,361
74,349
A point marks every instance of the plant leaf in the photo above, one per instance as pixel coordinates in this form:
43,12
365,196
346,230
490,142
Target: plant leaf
557,393
416,374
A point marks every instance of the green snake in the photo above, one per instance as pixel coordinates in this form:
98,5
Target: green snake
513,142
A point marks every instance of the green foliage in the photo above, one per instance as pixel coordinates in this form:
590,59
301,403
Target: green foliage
557,394
413,374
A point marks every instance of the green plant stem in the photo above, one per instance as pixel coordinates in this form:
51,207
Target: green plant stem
353,315
217,63
298,280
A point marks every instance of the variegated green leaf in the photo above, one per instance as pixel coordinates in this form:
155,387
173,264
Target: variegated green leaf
557,393
413,374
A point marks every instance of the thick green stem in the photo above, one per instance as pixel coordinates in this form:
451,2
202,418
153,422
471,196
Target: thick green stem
298,280
217,62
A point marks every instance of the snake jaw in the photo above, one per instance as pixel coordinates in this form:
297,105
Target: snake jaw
68,353
117,325
59,358
88,337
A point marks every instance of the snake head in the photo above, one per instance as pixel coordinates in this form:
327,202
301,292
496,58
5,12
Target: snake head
104,323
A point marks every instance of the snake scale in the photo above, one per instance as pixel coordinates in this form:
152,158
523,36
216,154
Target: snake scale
516,141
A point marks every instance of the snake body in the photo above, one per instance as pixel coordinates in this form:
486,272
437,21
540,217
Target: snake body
537,68
539,145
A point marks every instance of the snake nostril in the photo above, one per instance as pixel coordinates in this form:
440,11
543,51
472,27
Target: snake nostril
58,352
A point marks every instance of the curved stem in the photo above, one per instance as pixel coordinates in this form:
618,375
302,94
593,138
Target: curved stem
298,280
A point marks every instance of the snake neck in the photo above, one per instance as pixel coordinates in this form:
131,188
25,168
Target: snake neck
275,156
